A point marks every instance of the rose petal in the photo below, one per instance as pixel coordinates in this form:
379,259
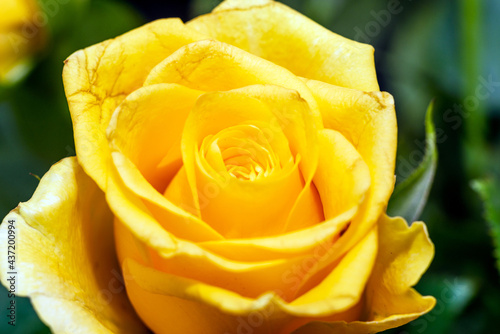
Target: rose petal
368,121
190,261
344,285
341,171
283,36
147,127
151,290
172,304
129,187
314,240
342,177
67,263
139,227
404,255
246,204
214,66
98,78
307,210
149,116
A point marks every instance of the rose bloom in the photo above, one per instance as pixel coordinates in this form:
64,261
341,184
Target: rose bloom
20,37
233,173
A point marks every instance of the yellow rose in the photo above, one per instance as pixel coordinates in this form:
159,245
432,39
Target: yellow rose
247,158
21,34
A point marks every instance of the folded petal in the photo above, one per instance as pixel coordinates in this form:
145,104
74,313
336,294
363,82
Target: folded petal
214,66
141,237
405,253
144,136
343,286
314,240
342,177
223,310
390,301
307,210
66,260
275,32
147,127
190,261
98,78
368,121
130,197
174,305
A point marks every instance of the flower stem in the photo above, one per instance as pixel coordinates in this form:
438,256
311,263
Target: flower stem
476,124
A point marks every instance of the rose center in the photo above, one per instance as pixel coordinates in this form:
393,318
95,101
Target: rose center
248,162
242,151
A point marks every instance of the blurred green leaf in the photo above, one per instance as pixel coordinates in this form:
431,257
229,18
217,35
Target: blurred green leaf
103,20
421,60
16,164
61,14
452,294
410,196
489,191
200,7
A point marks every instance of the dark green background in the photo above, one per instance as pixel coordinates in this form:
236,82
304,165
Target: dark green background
428,49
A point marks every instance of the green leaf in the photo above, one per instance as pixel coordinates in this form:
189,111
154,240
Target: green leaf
453,294
489,191
410,196
200,7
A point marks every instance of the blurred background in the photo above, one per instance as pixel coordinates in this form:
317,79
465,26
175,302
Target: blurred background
446,50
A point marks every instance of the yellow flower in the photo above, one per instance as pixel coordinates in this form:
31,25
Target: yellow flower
246,158
21,34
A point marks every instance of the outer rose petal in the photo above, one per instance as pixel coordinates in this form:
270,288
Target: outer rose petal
189,305
67,262
98,78
174,305
404,255
277,33
368,121
191,262
214,66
